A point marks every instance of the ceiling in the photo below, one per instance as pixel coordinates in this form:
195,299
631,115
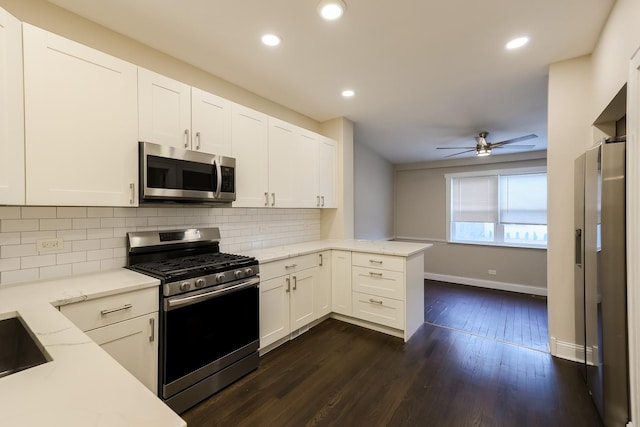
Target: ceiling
426,73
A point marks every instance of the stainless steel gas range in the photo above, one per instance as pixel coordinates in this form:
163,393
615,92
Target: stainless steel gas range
209,333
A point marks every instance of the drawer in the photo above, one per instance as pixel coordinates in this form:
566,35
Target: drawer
95,313
279,268
378,282
386,262
380,310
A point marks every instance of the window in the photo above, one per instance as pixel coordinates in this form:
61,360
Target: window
506,207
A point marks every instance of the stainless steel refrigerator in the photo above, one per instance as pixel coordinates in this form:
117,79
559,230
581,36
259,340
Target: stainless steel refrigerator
600,277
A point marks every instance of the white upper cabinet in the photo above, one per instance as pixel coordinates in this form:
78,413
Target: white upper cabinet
175,114
305,169
164,110
282,144
327,172
249,130
210,123
11,112
81,126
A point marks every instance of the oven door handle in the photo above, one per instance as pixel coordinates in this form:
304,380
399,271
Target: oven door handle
174,303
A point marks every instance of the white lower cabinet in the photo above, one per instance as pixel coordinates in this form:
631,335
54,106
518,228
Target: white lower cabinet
287,297
125,326
323,285
133,344
341,282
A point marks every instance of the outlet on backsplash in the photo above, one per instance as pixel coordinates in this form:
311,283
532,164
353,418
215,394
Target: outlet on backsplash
49,245
492,272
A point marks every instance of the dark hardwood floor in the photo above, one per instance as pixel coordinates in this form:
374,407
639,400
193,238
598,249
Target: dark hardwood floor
505,316
338,374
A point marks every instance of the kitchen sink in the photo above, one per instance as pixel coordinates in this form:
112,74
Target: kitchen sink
18,348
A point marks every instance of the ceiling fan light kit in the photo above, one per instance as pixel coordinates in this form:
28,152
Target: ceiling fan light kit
484,148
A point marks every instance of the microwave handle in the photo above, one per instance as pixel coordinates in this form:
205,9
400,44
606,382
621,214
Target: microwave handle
216,163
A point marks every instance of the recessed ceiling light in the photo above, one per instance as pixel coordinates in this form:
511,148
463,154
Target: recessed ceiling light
331,9
271,40
348,93
517,42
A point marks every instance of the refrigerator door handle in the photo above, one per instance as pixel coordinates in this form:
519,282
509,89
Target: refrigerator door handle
578,250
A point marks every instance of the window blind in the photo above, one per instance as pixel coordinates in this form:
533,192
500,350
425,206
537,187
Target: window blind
523,199
474,199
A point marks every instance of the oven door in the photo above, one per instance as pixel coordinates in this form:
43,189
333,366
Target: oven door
206,331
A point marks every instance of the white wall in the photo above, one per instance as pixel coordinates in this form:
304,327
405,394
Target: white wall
579,90
373,194
420,214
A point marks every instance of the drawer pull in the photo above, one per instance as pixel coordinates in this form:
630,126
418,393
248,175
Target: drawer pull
290,266
373,301
375,261
371,273
115,310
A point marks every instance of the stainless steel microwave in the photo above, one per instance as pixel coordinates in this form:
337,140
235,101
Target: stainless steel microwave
170,174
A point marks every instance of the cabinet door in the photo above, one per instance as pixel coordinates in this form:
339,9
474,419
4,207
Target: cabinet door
341,282
81,124
133,343
327,172
303,285
282,158
11,112
305,169
323,284
274,309
210,123
164,110
249,147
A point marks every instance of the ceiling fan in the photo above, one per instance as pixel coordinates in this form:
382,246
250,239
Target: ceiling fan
484,148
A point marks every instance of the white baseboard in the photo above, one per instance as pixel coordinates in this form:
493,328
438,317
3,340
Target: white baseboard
502,286
571,351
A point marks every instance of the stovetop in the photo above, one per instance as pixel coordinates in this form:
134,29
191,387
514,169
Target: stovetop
194,266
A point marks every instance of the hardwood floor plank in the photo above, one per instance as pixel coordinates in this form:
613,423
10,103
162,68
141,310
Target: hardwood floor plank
338,374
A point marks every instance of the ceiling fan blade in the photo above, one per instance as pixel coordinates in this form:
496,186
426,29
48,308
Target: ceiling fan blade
515,147
462,152
455,148
512,140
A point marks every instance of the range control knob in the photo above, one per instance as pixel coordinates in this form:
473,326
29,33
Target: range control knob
248,272
219,277
184,286
237,274
200,283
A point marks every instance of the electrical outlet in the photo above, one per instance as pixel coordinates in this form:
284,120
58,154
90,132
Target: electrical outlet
49,245
492,272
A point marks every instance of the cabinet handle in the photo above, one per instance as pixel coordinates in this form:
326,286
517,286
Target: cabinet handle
290,266
186,138
152,324
318,201
371,273
115,310
197,140
375,261
266,199
373,301
322,197
273,196
295,283
132,193
288,285
321,260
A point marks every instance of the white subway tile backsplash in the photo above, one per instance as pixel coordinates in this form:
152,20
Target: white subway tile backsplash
9,225
72,212
37,212
55,224
94,238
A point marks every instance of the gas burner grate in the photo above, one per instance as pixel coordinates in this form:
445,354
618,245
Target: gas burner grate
202,264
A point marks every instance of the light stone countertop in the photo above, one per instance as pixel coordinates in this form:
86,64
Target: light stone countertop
383,247
82,386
